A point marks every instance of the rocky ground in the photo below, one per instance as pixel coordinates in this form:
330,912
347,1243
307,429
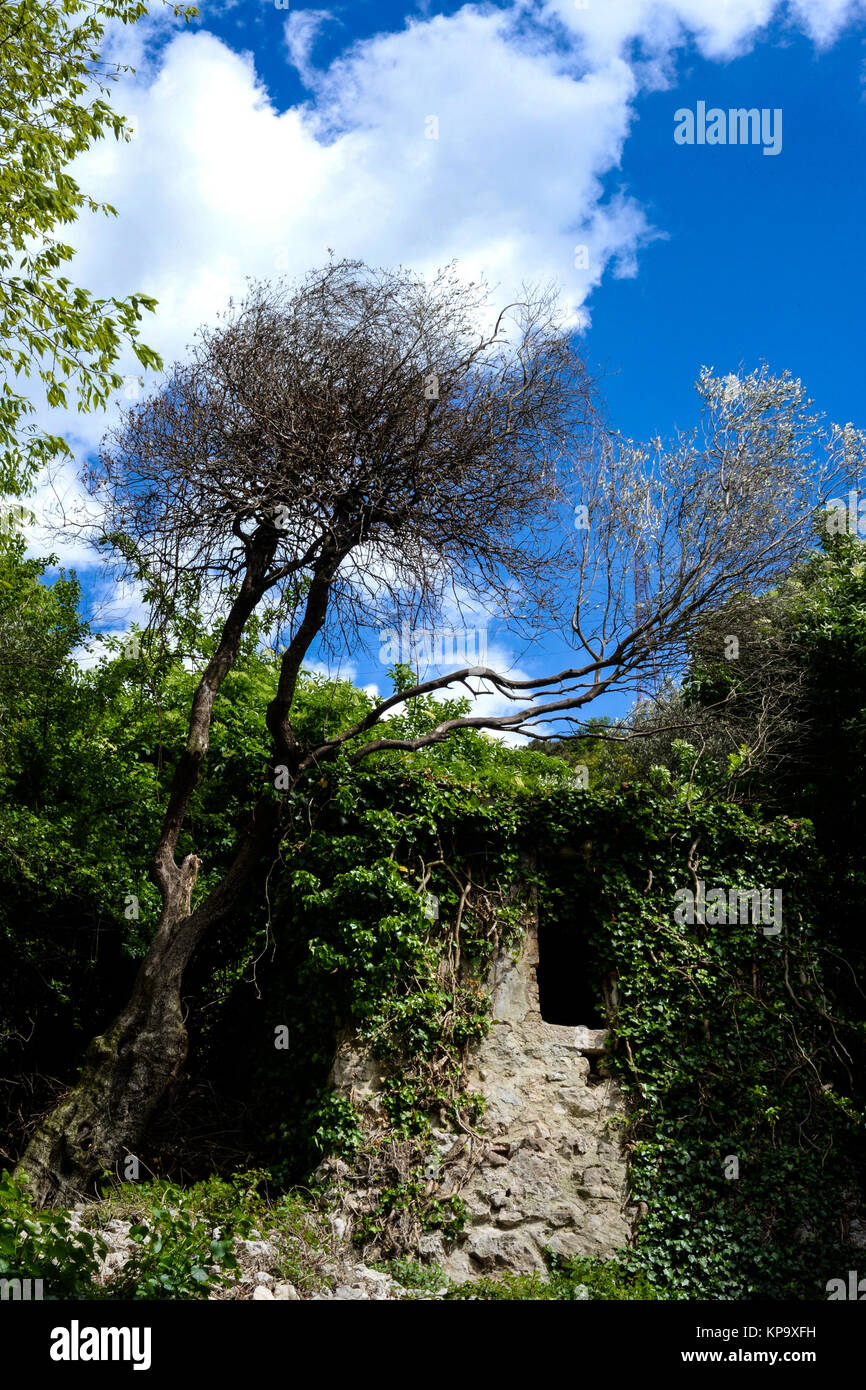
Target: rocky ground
334,1275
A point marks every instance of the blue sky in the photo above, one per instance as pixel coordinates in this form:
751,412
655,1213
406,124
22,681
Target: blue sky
764,256
264,135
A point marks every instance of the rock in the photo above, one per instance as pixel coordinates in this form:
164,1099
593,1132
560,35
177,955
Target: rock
260,1252
374,1281
286,1292
551,1173
507,1220
478,1208
589,1239
490,1250
431,1246
339,1226
608,1153
262,1277
580,1291
262,1295
580,1100
591,1040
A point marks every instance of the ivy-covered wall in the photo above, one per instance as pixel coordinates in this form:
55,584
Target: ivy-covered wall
742,1071
744,1074
730,1043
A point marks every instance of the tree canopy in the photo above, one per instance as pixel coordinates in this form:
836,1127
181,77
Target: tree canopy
53,85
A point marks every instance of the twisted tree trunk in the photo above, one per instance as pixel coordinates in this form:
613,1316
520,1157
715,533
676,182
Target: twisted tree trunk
126,1070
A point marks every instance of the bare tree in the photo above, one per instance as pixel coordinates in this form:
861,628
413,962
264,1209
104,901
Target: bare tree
350,448
357,446
679,547
723,510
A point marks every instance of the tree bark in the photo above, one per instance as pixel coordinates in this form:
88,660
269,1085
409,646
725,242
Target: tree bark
129,1067
126,1070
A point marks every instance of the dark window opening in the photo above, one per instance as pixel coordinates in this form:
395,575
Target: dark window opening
566,994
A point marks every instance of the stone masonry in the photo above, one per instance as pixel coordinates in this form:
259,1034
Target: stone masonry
549,1170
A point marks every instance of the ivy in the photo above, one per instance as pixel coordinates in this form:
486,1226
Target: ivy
744,1123
729,1044
727,1041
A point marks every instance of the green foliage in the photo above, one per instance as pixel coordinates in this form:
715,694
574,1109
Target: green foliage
605,1280
412,1275
728,1041
566,1280
607,762
333,1127
84,770
185,1235
37,1244
509,1288
828,634
368,953
807,636
173,1255
409,1203
53,108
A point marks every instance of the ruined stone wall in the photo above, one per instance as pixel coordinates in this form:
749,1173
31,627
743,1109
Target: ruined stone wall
545,1168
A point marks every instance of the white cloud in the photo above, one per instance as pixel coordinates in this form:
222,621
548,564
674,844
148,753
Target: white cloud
218,184
534,104
302,30
720,29
825,20
340,670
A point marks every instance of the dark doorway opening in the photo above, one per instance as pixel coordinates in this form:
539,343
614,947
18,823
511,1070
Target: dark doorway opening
566,994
